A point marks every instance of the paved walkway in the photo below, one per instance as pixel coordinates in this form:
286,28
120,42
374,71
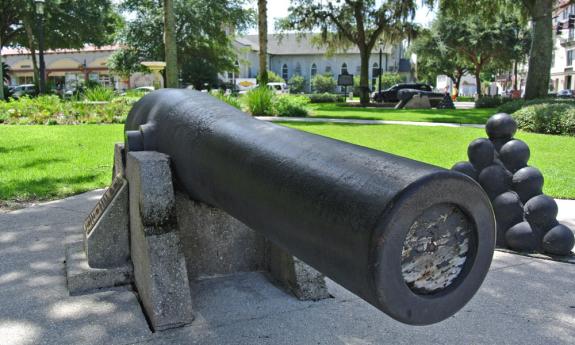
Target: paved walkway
523,301
365,122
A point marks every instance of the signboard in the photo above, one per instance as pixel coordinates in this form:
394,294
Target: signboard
345,80
106,199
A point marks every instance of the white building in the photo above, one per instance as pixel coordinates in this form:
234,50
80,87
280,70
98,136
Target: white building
562,73
287,56
290,55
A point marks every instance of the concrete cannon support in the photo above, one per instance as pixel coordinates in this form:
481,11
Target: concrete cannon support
160,271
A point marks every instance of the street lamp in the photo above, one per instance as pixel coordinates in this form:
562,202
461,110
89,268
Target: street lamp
40,18
381,48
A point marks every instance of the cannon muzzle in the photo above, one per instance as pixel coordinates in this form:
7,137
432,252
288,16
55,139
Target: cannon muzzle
412,239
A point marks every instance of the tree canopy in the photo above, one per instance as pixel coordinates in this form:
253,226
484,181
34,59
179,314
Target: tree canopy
204,32
456,44
540,14
360,23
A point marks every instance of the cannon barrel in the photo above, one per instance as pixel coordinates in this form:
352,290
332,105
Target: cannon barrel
412,239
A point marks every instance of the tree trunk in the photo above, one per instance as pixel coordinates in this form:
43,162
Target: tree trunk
458,83
478,81
263,41
364,76
541,50
170,45
32,48
1,73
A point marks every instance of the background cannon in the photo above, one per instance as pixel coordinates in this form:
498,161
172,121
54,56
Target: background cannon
412,239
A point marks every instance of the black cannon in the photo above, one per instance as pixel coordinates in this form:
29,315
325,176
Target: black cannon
407,95
412,239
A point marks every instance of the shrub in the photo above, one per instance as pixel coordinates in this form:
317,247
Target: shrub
274,78
53,110
325,98
292,106
296,84
516,104
259,101
99,94
228,98
323,83
489,102
388,80
548,118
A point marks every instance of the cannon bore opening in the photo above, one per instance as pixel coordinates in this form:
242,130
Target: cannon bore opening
436,249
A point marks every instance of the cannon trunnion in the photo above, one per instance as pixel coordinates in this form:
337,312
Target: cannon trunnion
412,239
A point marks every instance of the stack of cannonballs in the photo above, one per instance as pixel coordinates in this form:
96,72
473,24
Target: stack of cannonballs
526,218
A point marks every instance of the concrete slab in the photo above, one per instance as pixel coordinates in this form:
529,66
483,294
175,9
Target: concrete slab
523,301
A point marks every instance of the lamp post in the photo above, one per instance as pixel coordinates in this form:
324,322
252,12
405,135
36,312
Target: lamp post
381,48
40,17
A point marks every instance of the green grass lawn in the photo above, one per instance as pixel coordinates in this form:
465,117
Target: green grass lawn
331,110
444,146
47,162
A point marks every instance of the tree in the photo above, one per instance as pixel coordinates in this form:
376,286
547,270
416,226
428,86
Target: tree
323,83
203,40
352,22
263,41
170,44
480,43
540,13
434,58
67,23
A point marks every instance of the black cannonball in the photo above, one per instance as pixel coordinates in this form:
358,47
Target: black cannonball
521,237
498,143
527,183
501,126
508,212
515,155
495,180
541,212
467,169
481,153
559,240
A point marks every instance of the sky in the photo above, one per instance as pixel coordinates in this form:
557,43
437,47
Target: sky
279,9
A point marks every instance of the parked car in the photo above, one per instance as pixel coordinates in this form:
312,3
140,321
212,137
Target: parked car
145,89
24,90
278,88
566,93
390,95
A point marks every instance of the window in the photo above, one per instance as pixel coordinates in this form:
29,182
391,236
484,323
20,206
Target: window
297,69
313,69
569,57
553,58
358,69
344,68
328,69
285,72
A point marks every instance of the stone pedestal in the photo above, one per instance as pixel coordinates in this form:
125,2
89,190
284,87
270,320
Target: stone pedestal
300,279
143,232
160,273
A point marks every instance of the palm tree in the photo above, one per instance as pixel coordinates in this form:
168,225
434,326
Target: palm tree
5,72
170,45
263,41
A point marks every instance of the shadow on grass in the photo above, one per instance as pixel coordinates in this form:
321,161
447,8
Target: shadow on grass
21,148
47,187
43,162
459,116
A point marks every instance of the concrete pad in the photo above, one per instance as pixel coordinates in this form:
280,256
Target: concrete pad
523,301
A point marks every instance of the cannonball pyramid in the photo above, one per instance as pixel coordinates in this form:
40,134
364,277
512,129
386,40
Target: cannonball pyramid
526,218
